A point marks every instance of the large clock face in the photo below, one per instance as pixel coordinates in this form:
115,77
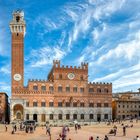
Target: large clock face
17,77
71,76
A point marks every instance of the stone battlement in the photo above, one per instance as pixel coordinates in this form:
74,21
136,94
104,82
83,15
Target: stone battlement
99,83
37,80
56,64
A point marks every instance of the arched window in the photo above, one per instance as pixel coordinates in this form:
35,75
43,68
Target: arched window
43,103
75,89
67,104
98,90
60,104
75,116
99,105
82,104
91,104
51,116
67,116
81,90
106,90
27,116
51,104
90,90
51,88
60,116
43,88
27,103
35,104
35,87
106,105
82,116
59,88
75,104
67,89
91,116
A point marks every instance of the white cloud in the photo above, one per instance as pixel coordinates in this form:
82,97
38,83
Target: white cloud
124,78
107,8
5,69
46,55
128,50
4,87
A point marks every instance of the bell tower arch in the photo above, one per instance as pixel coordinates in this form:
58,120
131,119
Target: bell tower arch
17,27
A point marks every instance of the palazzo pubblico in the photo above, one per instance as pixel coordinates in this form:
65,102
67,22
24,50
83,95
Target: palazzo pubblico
66,95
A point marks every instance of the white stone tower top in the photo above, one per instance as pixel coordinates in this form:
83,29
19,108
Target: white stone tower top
17,25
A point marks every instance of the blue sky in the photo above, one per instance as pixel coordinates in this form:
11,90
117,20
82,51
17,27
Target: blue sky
104,33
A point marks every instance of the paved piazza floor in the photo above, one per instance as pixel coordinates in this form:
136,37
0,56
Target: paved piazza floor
83,134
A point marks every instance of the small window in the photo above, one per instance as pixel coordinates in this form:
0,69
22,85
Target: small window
82,104
51,116
91,116
98,104
43,104
35,104
106,105
59,104
60,89
67,104
68,89
81,90
106,116
50,104
91,104
51,88
91,90
75,89
82,116
60,116
75,104
98,90
27,116
35,87
43,88
106,90
75,116
27,104
67,116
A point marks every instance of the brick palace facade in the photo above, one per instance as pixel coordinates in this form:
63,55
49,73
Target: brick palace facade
65,96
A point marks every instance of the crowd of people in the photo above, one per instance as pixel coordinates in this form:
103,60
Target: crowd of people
30,128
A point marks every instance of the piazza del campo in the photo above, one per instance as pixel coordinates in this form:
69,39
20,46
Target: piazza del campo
65,105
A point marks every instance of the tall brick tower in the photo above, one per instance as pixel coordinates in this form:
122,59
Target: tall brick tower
17,27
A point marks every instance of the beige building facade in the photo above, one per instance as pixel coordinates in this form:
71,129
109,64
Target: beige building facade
4,107
126,105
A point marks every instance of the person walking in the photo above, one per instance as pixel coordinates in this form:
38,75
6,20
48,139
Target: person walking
5,128
124,130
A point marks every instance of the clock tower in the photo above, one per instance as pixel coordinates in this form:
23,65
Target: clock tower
17,27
